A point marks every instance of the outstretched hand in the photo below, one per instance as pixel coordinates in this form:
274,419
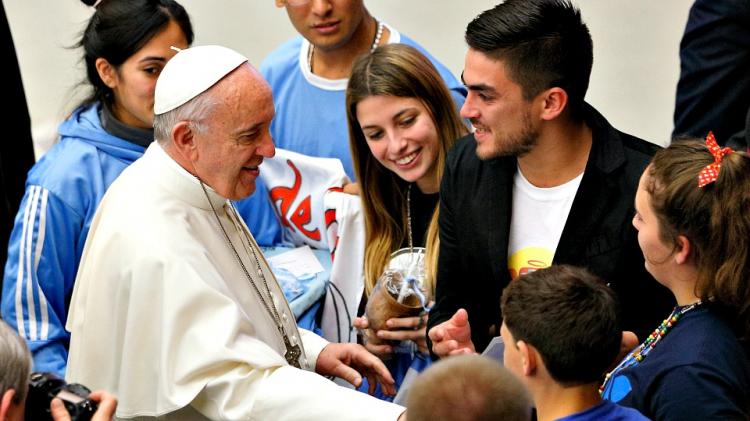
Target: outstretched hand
350,362
452,337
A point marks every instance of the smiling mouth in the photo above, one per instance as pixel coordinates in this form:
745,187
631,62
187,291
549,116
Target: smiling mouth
480,130
407,159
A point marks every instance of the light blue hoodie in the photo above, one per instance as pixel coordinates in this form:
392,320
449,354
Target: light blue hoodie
63,191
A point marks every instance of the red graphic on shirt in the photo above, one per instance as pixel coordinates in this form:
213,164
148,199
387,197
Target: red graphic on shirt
302,214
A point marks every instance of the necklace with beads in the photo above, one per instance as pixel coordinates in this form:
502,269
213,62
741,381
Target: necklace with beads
375,43
640,353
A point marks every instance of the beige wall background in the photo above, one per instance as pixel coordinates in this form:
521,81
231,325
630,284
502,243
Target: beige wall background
636,42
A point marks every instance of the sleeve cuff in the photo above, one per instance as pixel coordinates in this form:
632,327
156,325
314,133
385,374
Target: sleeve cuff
313,344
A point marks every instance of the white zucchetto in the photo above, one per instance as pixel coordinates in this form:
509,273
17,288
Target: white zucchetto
191,72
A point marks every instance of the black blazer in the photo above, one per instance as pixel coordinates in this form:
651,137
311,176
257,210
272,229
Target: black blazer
713,93
475,216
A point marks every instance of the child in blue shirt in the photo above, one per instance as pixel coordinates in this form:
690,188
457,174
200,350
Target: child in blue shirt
561,331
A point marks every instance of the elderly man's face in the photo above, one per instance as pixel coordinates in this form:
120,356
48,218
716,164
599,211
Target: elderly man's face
236,137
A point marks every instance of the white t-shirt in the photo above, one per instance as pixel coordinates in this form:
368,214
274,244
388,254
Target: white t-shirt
537,222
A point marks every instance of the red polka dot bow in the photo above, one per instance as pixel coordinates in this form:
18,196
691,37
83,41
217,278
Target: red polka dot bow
710,172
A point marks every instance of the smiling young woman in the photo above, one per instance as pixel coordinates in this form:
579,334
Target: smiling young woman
402,121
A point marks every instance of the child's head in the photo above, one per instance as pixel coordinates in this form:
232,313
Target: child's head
562,320
468,387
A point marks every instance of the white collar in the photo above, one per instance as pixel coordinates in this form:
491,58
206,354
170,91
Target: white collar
179,181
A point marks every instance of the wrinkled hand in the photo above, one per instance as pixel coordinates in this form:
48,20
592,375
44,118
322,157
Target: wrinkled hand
106,410
398,329
452,337
350,362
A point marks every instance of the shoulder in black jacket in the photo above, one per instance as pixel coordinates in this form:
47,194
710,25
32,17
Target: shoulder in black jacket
475,216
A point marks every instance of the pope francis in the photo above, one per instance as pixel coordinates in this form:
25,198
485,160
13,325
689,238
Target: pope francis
175,310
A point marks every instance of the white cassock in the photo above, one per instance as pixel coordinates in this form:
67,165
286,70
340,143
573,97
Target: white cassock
163,316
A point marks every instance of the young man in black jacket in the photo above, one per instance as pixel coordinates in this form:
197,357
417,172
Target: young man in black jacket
543,179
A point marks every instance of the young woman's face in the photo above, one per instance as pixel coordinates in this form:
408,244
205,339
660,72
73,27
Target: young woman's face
403,137
133,83
656,253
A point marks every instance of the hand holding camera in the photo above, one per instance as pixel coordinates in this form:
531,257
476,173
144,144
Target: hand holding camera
107,404
50,398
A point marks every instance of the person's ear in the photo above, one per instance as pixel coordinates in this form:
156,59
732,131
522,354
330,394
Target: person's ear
107,72
6,403
528,358
554,101
279,3
183,140
683,250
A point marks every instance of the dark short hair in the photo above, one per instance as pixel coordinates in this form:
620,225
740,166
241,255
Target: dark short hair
570,316
118,29
544,44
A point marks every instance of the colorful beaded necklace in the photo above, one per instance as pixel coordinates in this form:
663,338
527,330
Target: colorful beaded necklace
640,353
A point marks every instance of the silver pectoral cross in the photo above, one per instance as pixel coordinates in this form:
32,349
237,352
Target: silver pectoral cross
293,352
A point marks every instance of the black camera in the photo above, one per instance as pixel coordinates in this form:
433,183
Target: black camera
43,387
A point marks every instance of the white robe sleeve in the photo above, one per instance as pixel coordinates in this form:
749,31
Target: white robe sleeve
313,344
185,342
241,389
287,393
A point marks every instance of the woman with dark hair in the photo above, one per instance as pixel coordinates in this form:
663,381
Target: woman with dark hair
402,121
694,232
126,44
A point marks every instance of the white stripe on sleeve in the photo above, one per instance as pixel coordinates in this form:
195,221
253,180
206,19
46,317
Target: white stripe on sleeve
37,255
20,277
31,308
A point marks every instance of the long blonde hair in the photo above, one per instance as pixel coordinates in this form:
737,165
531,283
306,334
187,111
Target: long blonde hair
396,70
